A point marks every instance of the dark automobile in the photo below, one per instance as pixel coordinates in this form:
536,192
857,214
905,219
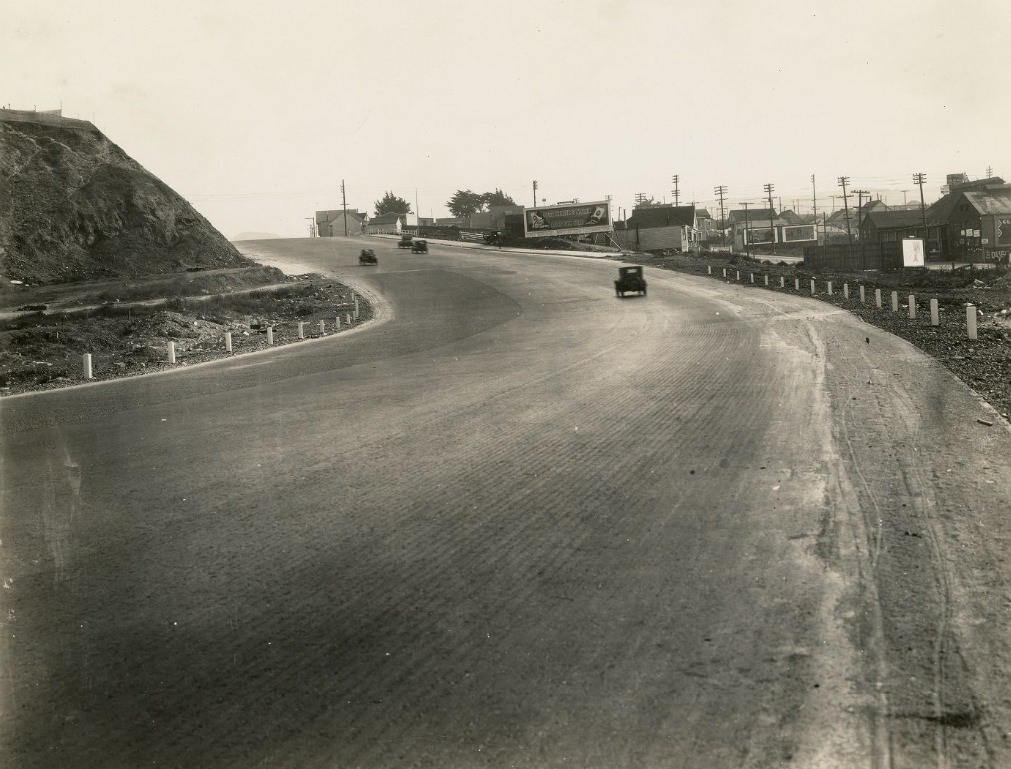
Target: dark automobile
419,247
630,279
406,241
367,256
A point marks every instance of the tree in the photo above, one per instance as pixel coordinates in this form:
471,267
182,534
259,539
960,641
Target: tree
391,204
497,198
467,202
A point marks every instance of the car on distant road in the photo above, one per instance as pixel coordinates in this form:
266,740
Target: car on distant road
419,247
367,256
630,279
405,241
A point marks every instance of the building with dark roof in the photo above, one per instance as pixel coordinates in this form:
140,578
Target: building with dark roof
660,228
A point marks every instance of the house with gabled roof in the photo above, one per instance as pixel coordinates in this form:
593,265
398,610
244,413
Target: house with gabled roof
386,224
334,223
660,228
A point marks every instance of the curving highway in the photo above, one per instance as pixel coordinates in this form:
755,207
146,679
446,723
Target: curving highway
514,522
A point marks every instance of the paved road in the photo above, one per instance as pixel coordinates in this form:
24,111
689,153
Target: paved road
515,522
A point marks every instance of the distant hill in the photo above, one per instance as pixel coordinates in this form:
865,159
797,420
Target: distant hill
74,206
255,236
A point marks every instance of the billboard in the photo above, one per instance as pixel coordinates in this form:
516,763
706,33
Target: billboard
795,232
912,252
567,219
759,235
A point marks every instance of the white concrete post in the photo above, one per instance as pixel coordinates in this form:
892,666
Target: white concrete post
863,295
228,341
796,284
86,366
766,280
846,290
270,335
724,272
337,323
356,308
935,315
895,301
813,290
709,269
877,298
970,320
171,352
738,274
349,318
752,277
782,282
830,288
322,327
301,329
912,307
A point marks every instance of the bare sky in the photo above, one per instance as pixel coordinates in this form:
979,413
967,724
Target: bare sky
254,111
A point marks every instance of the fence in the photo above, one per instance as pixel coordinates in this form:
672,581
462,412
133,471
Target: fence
859,256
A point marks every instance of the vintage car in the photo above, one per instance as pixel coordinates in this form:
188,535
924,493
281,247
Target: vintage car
406,241
419,247
630,279
367,256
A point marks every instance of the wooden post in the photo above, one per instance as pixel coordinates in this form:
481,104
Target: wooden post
830,288
228,341
322,327
782,282
796,284
895,301
912,307
863,296
813,290
935,315
301,329
270,335
877,297
846,290
171,352
970,320
86,366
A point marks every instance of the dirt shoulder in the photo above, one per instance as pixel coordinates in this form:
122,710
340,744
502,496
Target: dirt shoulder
127,326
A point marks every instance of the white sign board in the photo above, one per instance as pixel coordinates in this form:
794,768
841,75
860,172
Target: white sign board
912,252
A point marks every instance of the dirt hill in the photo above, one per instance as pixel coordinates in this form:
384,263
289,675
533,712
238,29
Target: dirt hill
74,206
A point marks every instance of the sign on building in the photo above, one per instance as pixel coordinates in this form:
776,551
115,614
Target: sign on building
912,252
567,219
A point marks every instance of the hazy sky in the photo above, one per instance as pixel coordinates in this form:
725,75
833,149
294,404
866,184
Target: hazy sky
255,111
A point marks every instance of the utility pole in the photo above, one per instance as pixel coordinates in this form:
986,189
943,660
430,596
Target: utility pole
747,225
814,202
344,204
860,218
843,181
860,206
920,179
722,191
675,179
989,172
772,213
535,193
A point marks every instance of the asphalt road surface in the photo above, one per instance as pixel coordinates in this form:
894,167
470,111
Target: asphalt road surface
514,522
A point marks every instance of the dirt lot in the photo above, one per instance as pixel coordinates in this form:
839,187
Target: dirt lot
127,326
983,364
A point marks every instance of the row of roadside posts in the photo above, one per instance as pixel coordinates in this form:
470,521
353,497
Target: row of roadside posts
935,318
170,352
